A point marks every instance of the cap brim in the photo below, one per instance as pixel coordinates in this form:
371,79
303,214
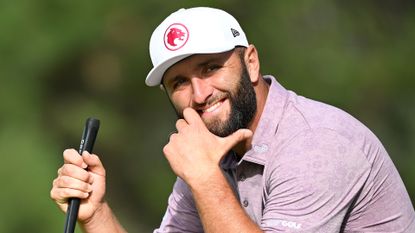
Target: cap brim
155,75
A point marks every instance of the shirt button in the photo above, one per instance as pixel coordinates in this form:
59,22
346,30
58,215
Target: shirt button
245,203
242,177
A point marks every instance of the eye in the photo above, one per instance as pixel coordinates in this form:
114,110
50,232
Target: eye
212,67
178,82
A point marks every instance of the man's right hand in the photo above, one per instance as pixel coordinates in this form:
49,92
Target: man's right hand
80,177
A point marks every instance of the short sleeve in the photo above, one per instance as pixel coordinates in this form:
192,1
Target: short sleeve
311,183
181,214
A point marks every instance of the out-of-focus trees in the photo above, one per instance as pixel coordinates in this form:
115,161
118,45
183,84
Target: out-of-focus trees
62,61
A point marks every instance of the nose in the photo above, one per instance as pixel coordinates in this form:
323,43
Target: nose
201,90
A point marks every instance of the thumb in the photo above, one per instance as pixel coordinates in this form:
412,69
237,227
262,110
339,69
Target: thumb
238,136
94,163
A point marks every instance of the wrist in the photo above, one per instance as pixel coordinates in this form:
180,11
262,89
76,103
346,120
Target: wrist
209,178
102,220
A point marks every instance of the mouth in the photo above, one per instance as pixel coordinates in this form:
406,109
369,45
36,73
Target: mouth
211,107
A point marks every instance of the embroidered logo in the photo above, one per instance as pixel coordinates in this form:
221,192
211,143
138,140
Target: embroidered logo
235,32
176,36
284,224
262,148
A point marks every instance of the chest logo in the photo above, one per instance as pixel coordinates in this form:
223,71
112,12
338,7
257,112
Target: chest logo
262,148
176,36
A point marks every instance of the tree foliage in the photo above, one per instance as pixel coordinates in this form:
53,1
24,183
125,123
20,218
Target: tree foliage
63,61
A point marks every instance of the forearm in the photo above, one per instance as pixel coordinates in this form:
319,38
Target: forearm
218,208
103,221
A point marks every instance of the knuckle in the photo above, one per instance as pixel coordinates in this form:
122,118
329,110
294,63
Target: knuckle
172,136
64,182
166,150
71,156
52,194
68,193
70,151
65,170
91,179
104,173
55,182
85,176
85,187
70,170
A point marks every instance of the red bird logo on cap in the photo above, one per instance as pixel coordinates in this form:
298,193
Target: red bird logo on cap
176,36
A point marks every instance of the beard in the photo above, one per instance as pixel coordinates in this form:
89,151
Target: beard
243,107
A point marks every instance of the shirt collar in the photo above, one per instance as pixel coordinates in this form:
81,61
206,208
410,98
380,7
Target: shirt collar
268,123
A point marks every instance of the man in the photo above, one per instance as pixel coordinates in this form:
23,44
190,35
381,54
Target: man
250,156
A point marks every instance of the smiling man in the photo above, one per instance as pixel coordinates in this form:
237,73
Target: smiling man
250,156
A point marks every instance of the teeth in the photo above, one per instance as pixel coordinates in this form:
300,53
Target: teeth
213,107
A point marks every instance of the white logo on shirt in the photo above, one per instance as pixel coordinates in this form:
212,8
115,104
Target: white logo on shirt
284,223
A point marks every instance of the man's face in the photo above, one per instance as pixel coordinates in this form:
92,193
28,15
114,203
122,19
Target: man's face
217,86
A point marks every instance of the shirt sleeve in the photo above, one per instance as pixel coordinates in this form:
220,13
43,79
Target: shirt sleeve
312,182
181,214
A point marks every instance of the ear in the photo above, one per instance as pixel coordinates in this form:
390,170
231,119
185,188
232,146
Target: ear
162,87
252,63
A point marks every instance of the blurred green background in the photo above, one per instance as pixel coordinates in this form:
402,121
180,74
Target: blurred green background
63,61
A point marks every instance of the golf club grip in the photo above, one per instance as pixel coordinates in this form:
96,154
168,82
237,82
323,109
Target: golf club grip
87,143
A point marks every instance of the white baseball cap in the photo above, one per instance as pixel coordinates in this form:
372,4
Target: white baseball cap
199,30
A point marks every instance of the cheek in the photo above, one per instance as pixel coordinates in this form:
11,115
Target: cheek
180,101
232,85
229,80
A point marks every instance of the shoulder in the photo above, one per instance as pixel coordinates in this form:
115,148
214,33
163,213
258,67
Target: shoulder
318,153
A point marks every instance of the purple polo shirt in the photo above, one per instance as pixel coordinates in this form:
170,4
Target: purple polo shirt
312,168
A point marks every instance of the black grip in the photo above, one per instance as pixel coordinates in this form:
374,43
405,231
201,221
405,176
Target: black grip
87,143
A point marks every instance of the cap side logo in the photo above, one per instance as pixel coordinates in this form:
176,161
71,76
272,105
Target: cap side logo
176,36
235,32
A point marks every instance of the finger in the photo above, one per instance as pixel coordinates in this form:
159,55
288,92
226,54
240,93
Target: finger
60,200
94,163
71,156
74,172
61,195
192,117
172,137
238,136
71,183
166,151
180,124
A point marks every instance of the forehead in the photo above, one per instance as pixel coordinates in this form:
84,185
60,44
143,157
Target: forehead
196,61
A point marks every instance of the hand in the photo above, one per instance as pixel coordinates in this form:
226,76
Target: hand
74,181
194,152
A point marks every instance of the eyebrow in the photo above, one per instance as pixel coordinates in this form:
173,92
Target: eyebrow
215,59
172,80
